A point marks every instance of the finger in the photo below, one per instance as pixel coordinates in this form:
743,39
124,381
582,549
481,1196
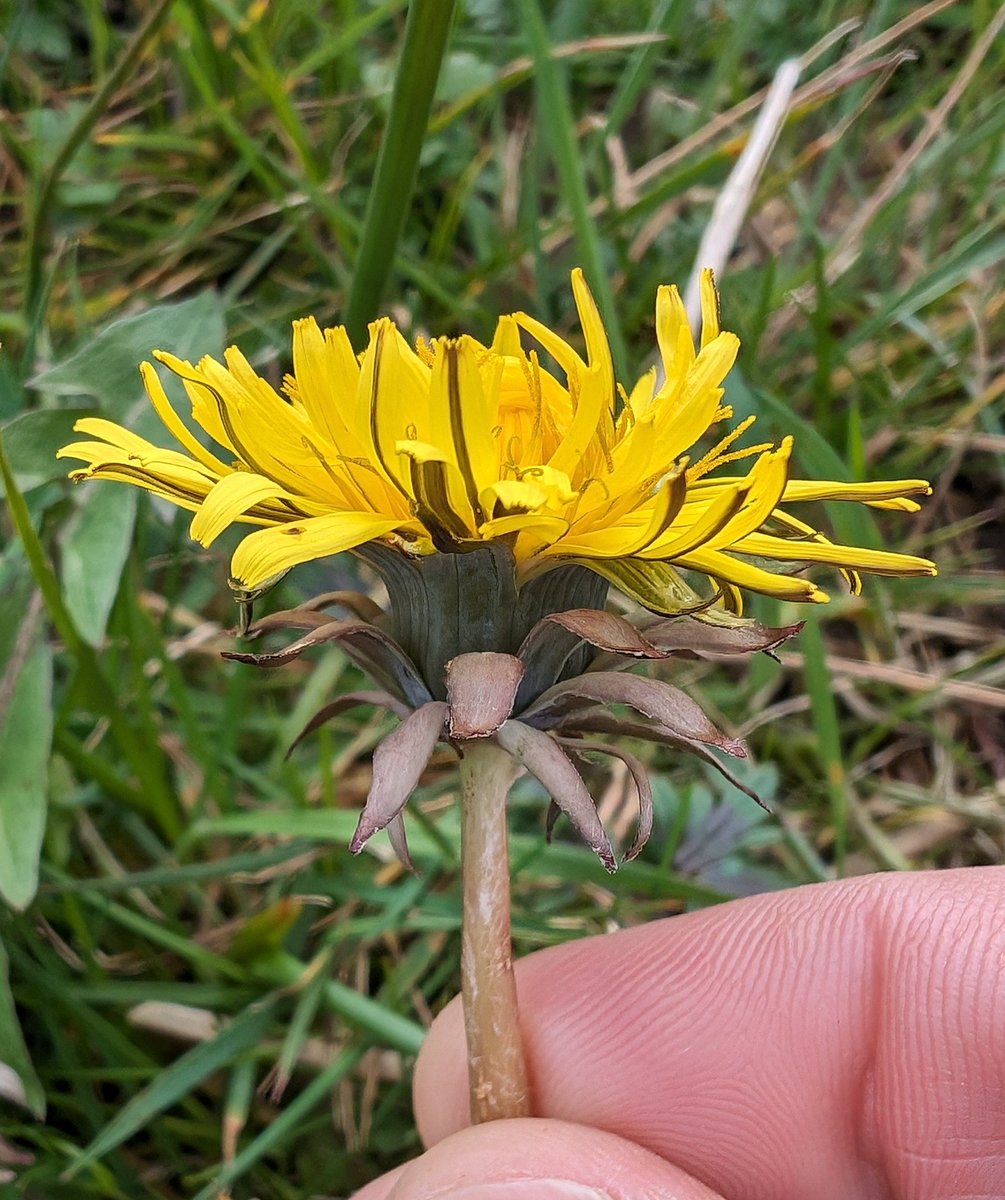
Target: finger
380,1188
536,1160
838,1040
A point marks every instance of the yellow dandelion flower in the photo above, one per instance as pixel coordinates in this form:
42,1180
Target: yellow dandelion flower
448,446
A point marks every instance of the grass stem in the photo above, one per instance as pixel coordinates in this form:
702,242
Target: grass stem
425,42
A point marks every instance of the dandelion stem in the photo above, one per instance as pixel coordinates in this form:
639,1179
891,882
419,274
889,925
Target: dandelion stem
496,1066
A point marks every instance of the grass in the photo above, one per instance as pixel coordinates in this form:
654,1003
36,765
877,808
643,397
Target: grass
205,982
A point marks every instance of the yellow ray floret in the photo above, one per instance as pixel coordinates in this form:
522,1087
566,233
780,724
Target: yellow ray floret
447,445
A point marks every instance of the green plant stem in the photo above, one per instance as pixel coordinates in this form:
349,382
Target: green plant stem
425,41
497,1071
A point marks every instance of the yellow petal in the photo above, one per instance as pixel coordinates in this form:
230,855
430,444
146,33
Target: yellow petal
559,349
548,529
229,500
205,405
684,415
91,452
673,335
264,431
598,350
394,387
458,414
174,424
327,376
636,530
705,526
186,491
641,399
713,364
441,501
868,493
669,501
767,482
140,455
900,504
745,575
709,307
269,552
536,487
506,342
591,385
512,495
114,435
857,558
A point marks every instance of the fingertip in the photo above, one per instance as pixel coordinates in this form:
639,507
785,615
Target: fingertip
439,1085
379,1189
541,1160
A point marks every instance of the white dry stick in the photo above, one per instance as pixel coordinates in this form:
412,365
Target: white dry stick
11,1087
734,199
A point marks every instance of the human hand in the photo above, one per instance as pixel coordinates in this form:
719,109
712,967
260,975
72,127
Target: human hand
844,1041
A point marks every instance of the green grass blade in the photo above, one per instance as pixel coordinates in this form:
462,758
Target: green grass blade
820,685
425,41
179,1079
387,1028
285,1125
555,115
640,67
13,1050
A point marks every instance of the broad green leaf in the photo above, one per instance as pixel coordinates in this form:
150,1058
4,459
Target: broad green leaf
94,547
32,440
107,367
13,1051
25,739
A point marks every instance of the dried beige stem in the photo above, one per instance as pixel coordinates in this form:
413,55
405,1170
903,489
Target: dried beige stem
734,199
496,1066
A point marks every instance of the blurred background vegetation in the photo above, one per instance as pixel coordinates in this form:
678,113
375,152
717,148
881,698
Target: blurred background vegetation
202,993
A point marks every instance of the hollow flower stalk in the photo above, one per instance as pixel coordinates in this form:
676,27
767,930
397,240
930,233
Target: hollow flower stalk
499,498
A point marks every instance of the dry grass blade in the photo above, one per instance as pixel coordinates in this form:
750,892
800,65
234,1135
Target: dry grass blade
908,679
733,201
849,245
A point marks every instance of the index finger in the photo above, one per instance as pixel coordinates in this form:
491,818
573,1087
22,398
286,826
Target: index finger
843,1039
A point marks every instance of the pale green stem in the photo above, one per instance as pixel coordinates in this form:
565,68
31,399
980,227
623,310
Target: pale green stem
497,1070
425,42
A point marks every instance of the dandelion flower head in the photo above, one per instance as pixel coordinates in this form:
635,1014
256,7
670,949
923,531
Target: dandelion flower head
444,446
